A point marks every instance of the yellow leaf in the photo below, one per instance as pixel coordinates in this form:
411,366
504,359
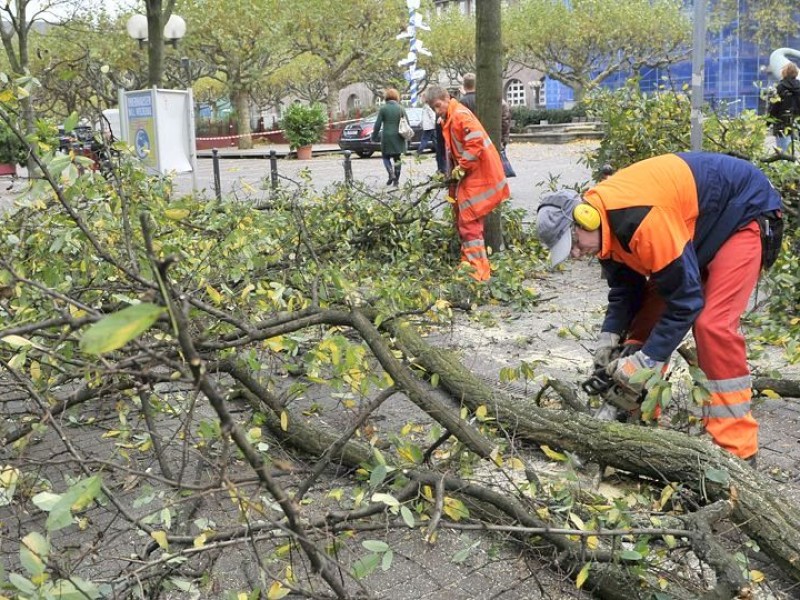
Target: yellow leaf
200,540
255,433
277,591
161,539
481,412
246,291
771,394
176,214
215,296
16,341
577,521
516,464
284,421
146,445
455,509
276,344
111,434
552,454
36,370
666,494
756,576
583,575
9,476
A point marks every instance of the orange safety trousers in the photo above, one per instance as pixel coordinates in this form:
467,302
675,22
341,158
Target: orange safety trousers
473,248
728,282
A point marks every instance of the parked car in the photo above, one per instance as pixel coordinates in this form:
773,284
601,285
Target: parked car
356,137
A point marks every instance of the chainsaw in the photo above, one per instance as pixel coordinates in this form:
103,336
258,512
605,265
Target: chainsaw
601,384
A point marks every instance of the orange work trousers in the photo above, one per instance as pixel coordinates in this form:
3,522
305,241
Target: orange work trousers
728,281
473,248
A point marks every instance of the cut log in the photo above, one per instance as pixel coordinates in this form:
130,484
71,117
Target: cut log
771,520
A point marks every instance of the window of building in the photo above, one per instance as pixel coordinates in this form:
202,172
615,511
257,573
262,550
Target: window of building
541,93
353,102
515,93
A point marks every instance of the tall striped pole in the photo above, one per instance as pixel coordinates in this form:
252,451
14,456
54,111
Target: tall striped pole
413,75
412,40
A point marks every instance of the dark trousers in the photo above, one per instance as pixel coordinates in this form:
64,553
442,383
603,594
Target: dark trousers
428,135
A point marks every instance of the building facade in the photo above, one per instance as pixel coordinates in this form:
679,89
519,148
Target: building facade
735,72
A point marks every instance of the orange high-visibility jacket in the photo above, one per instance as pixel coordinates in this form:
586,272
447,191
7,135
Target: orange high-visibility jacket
484,186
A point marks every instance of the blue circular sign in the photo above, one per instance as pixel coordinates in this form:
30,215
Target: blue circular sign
141,143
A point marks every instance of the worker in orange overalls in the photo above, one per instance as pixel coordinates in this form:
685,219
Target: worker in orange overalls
479,182
682,239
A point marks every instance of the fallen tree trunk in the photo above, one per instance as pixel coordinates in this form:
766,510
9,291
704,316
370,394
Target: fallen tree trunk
669,456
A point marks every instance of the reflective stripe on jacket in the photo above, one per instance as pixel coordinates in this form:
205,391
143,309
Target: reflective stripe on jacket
484,186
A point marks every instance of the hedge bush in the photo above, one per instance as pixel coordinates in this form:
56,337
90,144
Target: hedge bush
522,115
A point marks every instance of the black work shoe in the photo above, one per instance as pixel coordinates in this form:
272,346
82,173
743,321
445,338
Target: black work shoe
390,181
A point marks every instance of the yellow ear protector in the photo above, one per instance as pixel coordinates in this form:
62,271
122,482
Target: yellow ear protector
586,216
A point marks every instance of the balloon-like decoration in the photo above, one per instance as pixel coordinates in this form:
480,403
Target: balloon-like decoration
779,58
413,75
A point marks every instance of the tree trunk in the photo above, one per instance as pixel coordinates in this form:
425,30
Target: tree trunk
242,103
155,42
489,93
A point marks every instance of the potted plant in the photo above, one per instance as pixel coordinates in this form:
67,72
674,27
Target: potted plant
303,126
13,151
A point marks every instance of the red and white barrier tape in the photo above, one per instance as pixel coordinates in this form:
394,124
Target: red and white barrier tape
262,133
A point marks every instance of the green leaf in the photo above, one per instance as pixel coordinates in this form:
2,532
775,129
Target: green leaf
630,555
77,497
375,545
116,330
70,122
408,516
33,552
387,499
23,585
75,589
366,565
720,476
386,563
378,475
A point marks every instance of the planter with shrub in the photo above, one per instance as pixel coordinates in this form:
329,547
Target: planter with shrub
303,126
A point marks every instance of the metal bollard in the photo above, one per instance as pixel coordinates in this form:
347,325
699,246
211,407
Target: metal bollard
273,168
348,168
217,184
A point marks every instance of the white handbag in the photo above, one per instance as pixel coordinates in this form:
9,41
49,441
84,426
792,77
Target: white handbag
404,129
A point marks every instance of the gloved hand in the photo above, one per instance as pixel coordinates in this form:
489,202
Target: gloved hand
457,173
605,347
622,370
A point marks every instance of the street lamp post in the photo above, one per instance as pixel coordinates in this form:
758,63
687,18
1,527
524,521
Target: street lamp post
138,27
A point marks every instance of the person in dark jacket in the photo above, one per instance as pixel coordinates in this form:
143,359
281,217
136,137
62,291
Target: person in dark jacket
393,146
785,107
467,97
680,240
469,100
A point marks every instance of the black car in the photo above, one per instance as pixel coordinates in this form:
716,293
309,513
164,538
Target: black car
356,136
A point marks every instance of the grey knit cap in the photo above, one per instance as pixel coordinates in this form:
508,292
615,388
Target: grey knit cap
554,221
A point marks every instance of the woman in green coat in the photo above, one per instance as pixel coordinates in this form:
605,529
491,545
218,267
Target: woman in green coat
393,146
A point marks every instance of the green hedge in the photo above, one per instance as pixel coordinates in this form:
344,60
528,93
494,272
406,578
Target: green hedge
522,116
